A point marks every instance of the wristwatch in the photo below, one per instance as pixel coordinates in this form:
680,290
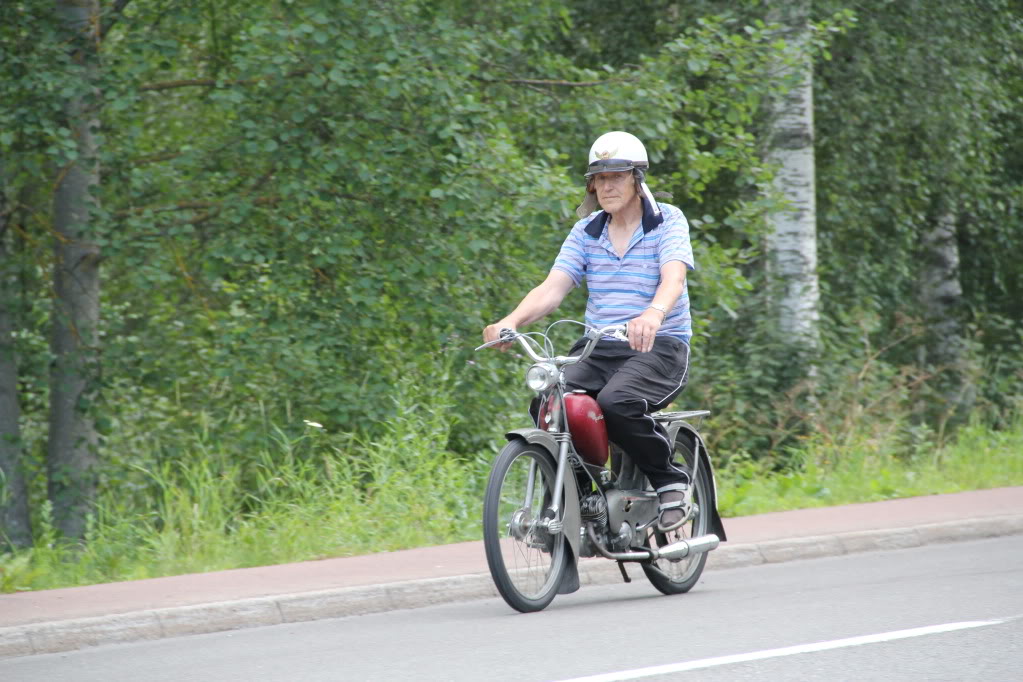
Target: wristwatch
661,308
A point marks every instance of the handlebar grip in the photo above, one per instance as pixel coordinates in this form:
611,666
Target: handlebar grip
618,331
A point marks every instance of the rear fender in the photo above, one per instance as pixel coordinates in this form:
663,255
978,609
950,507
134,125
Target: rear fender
569,509
687,430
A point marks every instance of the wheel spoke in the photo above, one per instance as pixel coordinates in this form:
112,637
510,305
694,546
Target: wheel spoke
679,575
521,559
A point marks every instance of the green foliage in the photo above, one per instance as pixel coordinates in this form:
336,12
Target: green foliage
315,495
866,468
285,206
322,495
914,113
302,205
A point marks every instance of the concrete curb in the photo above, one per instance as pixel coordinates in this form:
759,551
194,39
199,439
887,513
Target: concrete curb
68,635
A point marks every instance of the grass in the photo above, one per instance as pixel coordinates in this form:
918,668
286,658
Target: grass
866,470
313,497
323,496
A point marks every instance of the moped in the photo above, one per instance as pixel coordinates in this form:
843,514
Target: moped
561,491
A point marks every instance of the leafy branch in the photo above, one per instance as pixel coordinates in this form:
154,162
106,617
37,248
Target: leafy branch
554,83
115,13
217,82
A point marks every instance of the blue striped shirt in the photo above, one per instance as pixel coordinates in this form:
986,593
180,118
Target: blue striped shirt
622,286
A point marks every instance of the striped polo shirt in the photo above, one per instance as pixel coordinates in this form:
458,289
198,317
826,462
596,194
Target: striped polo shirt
621,286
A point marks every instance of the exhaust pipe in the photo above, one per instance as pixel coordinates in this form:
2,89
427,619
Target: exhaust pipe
683,548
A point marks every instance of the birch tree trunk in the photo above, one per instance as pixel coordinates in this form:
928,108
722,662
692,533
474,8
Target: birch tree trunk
792,234
941,303
941,293
15,527
71,455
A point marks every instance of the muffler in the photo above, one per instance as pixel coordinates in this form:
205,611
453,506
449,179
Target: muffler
683,548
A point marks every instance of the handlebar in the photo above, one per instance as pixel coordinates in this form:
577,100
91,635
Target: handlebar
594,334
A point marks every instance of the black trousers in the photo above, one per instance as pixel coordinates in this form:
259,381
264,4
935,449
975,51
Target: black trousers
628,386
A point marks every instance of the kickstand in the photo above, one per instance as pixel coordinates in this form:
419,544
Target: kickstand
625,575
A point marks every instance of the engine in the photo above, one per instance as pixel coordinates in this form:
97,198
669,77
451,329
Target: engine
593,508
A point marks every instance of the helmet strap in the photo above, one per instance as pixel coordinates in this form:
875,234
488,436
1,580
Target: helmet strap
645,191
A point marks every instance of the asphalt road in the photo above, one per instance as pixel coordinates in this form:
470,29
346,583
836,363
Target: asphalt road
950,612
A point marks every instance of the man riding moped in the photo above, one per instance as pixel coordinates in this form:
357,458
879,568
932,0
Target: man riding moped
634,254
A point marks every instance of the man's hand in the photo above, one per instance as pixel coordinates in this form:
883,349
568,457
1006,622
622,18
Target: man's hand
493,333
643,329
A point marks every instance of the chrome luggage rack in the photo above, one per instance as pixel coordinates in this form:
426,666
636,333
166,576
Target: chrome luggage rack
683,416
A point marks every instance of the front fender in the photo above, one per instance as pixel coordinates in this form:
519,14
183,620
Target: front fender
570,509
535,436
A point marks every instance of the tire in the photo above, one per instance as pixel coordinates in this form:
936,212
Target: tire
680,575
526,562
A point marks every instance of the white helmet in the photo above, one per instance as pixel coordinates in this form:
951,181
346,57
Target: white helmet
617,152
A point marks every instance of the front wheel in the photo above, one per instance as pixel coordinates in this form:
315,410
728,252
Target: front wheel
525,560
675,576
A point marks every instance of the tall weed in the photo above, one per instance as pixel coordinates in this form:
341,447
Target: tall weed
311,493
866,468
311,496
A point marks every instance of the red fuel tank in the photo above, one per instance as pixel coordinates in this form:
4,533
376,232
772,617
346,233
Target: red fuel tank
586,424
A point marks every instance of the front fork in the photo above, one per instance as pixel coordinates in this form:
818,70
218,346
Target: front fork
562,514
555,523
551,521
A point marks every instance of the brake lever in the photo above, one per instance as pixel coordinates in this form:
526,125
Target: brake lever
505,336
488,344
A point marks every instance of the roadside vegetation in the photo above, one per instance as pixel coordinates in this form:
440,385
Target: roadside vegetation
319,495
246,250
868,470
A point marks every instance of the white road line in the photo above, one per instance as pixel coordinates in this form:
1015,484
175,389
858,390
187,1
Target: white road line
785,651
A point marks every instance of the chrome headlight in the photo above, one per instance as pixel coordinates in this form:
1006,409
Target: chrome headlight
540,377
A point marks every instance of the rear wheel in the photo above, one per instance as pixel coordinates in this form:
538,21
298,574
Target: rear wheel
525,560
675,576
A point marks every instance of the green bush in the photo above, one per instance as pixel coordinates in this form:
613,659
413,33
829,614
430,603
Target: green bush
320,494
866,469
313,495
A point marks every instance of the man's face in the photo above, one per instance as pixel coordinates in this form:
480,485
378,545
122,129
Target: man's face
615,190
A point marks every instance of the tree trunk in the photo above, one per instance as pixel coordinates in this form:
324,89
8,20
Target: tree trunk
71,455
792,234
941,303
15,526
941,294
